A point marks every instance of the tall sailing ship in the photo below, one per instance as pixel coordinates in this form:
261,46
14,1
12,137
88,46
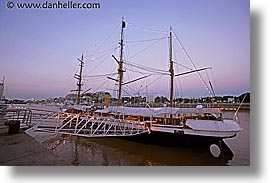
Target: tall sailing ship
170,125
167,125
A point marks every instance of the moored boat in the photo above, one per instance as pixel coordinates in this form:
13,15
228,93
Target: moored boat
177,126
170,125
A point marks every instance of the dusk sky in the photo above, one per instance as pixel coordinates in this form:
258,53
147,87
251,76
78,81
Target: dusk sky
39,48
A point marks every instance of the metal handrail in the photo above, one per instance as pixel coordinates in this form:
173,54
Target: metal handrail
23,115
91,126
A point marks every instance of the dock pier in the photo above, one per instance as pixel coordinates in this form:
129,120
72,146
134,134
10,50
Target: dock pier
20,149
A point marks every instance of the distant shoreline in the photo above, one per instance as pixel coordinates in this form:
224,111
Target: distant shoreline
222,106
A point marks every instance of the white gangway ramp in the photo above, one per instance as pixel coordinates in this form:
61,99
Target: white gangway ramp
86,125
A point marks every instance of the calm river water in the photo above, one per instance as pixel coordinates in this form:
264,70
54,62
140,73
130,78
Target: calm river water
116,152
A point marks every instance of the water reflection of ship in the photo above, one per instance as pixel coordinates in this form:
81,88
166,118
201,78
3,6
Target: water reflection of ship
112,151
75,161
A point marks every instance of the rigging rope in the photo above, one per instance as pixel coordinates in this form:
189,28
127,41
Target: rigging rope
151,82
91,55
104,59
146,29
215,86
144,73
70,78
148,47
145,40
177,67
149,69
106,53
128,59
108,37
101,75
183,66
192,63
101,85
212,89
131,65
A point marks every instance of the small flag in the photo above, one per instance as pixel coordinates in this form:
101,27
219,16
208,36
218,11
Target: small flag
123,24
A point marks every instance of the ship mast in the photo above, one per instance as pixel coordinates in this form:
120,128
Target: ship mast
79,80
171,70
120,70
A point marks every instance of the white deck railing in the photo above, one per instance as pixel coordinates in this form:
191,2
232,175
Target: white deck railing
90,126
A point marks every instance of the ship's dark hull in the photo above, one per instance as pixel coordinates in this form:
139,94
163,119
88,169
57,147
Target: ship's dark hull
179,140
